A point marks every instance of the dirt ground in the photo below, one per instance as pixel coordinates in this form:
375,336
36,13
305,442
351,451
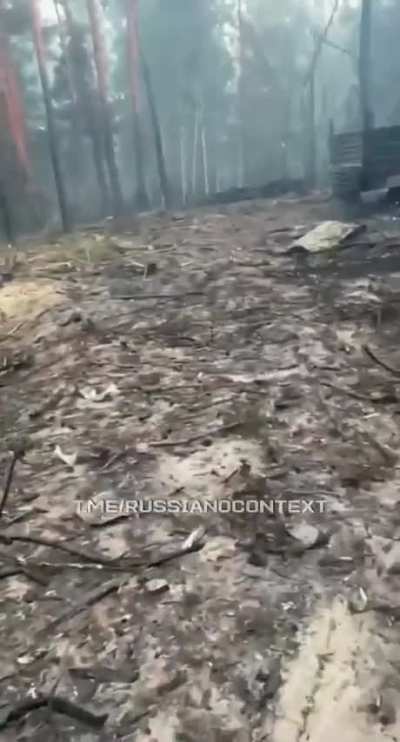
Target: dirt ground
198,358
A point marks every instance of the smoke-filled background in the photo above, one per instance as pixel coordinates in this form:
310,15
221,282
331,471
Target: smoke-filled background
122,105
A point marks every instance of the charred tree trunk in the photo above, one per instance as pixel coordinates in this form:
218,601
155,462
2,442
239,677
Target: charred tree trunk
141,200
80,64
51,129
242,130
105,116
141,197
5,216
98,159
309,87
77,129
162,170
365,86
311,135
76,133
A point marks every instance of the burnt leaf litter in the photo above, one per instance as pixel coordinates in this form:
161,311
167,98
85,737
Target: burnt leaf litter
204,356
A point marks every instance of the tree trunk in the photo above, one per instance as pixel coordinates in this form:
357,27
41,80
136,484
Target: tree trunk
183,164
205,160
238,176
365,86
242,132
86,104
51,129
5,215
76,131
311,135
309,87
71,87
217,179
162,170
285,142
15,164
100,59
141,199
13,114
195,151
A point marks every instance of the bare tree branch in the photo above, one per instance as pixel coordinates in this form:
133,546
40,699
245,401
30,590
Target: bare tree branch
320,42
333,45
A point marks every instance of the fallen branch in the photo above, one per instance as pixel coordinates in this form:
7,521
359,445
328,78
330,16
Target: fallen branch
94,559
122,564
347,392
74,565
57,704
377,360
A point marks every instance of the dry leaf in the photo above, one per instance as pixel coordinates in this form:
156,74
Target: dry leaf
91,395
194,538
68,459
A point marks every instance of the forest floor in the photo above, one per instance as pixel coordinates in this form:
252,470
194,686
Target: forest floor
196,357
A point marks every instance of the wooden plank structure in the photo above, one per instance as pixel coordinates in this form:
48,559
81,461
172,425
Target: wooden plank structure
382,155
364,160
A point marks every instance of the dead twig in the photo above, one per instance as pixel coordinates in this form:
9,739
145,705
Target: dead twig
199,409
377,360
32,573
90,599
13,566
179,552
12,332
231,475
8,480
131,297
194,438
347,392
381,399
